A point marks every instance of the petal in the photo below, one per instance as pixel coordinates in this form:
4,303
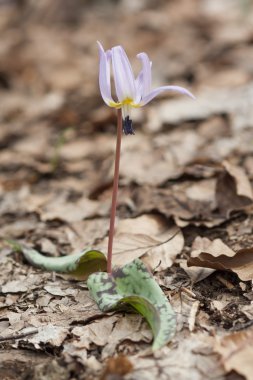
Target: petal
104,75
123,74
145,74
139,84
158,90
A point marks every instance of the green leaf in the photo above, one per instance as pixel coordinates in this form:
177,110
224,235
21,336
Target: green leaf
78,266
134,285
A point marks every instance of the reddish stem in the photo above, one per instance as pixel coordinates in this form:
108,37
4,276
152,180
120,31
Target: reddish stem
114,191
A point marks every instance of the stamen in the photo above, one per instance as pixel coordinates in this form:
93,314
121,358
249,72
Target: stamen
128,126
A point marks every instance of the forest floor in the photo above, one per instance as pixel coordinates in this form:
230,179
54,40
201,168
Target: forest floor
185,182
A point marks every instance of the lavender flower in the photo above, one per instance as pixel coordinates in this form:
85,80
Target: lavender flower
130,92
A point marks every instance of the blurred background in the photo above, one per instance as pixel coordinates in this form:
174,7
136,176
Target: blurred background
57,136
48,49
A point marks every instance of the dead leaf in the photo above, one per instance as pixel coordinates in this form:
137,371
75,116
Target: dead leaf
187,202
15,286
118,366
97,332
149,237
248,311
196,274
107,333
193,314
132,328
196,353
154,164
233,190
217,255
61,209
209,103
56,290
50,333
222,301
236,351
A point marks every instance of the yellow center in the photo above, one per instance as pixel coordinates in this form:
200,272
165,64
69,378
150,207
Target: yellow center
127,101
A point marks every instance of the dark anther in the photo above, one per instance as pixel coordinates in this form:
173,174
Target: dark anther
128,126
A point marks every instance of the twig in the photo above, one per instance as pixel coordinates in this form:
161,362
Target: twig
18,336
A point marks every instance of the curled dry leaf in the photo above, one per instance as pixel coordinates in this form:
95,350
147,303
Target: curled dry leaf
148,237
207,202
236,351
217,255
233,189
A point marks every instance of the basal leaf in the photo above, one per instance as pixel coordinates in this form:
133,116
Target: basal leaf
78,266
134,285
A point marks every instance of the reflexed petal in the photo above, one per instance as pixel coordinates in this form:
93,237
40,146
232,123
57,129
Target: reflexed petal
139,87
158,90
123,74
104,75
145,74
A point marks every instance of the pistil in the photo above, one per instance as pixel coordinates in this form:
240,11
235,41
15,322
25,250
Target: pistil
128,126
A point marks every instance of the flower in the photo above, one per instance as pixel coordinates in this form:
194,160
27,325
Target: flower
130,92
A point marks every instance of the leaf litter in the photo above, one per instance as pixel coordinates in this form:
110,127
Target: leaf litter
185,188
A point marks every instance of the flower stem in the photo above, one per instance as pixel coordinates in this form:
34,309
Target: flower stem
114,191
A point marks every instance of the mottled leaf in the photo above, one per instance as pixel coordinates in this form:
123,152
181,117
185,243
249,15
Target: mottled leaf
134,285
78,266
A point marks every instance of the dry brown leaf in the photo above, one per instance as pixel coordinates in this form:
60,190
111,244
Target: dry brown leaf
243,186
222,301
151,166
195,351
196,274
60,208
97,332
236,351
217,255
131,327
80,149
49,333
149,237
233,190
248,310
85,232
186,202
193,314
107,333
16,286
57,290
182,303
182,145
209,103
117,366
